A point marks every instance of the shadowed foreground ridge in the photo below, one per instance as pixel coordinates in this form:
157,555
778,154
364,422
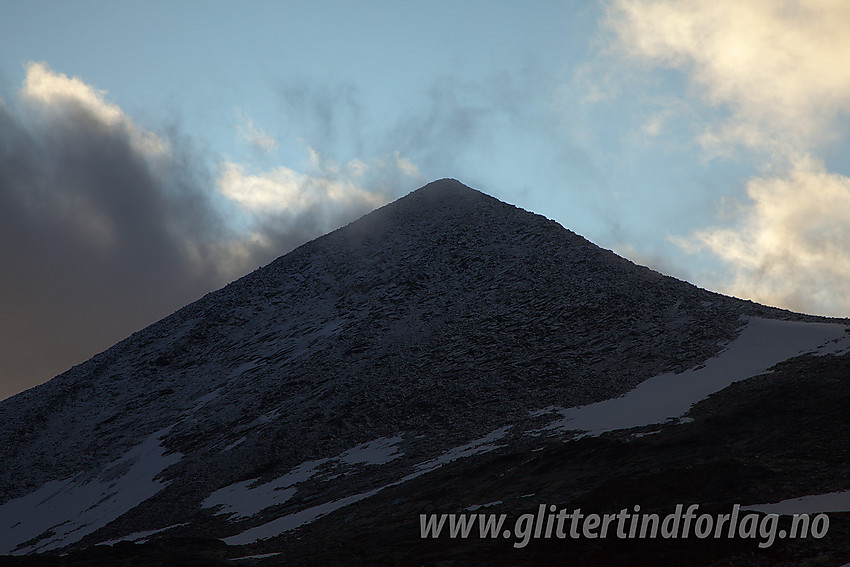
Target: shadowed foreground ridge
351,366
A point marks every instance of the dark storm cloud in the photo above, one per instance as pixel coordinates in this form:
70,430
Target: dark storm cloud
105,228
96,238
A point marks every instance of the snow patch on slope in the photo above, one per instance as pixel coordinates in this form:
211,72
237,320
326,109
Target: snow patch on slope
62,512
483,445
377,452
248,497
141,537
814,504
302,517
762,344
292,521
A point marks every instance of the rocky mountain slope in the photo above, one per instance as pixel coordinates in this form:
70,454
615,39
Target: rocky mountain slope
446,331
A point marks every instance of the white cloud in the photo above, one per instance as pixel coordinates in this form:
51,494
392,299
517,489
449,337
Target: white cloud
777,67
284,191
56,94
278,189
406,166
252,135
791,247
57,89
777,64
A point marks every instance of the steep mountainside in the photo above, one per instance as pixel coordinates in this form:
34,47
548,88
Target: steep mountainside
441,326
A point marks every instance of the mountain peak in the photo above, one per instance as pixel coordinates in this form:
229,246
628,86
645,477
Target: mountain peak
440,206
446,188
442,194
446,183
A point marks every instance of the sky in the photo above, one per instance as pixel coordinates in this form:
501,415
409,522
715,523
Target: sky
152,152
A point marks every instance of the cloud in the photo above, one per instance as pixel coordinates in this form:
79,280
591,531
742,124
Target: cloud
252,135
106,226
50,96
775,67
57,92
284,194
775,64
790,246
